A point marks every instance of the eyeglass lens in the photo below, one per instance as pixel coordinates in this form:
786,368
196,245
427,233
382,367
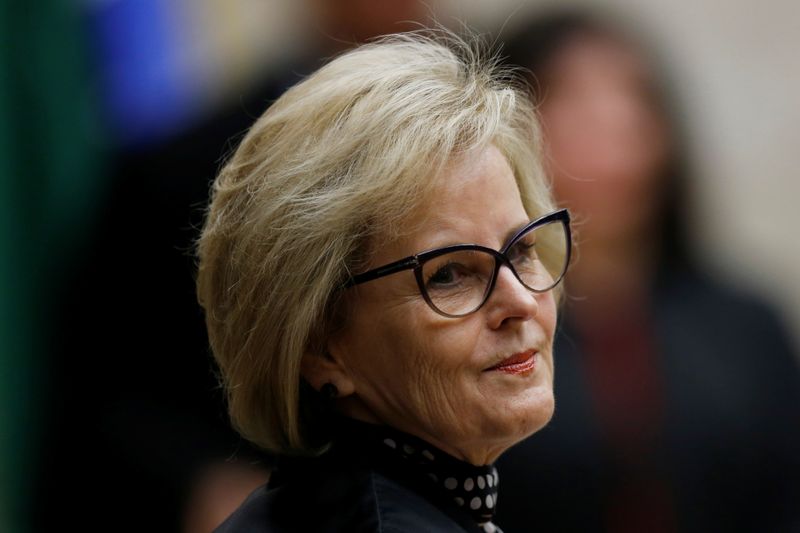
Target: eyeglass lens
457,283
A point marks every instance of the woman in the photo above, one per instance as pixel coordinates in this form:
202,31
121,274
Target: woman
377,269
668,420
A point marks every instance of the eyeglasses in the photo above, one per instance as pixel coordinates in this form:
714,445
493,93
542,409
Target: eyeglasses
457,280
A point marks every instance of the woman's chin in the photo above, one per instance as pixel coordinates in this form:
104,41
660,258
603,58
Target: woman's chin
517,419
540,406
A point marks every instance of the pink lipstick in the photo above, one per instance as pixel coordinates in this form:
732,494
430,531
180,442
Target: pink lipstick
519,363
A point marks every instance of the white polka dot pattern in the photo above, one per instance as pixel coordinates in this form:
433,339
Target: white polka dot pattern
488,527
471,487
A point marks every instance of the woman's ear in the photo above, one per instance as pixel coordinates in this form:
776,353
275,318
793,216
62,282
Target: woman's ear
321,368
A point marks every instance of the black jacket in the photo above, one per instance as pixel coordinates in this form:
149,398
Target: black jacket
356,486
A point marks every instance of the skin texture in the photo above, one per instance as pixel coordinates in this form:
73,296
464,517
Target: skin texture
397,362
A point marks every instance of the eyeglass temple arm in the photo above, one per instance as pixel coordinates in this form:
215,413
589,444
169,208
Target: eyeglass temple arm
397,266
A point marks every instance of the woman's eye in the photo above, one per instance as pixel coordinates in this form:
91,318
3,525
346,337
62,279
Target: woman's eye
445,275
522,251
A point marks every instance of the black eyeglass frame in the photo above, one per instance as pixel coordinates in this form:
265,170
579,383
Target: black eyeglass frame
416,261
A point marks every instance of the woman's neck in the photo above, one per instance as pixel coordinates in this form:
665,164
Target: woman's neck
486,454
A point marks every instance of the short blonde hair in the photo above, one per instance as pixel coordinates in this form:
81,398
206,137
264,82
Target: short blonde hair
340,158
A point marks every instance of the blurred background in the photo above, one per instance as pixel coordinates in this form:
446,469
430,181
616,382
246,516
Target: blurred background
116,114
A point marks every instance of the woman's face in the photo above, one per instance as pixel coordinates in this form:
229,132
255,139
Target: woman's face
433,376
607,141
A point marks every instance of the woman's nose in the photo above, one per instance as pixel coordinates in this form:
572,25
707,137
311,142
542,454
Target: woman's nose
510,300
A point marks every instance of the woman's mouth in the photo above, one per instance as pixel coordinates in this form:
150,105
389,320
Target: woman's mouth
519,363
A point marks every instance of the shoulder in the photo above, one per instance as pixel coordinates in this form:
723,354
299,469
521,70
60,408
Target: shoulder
364,501
250,517
713,329
698,289
312,504
695,301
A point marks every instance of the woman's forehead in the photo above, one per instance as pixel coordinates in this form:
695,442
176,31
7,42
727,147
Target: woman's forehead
476,200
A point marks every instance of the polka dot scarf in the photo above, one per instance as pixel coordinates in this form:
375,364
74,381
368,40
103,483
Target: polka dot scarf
473,488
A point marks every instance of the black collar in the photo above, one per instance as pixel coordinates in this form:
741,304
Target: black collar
472,488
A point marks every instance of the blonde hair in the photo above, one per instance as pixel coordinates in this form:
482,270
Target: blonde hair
340,158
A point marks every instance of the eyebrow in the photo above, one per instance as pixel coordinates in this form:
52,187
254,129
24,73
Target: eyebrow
514,232
507,237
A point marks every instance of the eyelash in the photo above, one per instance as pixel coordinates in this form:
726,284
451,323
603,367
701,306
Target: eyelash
430,277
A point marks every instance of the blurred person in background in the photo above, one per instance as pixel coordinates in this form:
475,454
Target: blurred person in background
678,396
137,433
